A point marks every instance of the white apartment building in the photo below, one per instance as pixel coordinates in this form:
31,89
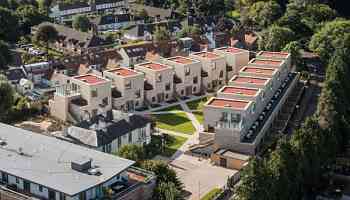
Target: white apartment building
84,97
127,88
213,68
159,84
235,59
187,78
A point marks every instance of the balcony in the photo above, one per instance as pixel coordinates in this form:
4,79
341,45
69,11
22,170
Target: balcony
116,93
257,126
204,74
80,102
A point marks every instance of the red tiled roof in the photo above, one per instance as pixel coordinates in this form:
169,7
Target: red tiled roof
258,70
267,62
240,91
90,79
206,54
251,80
154,66
123,72
228,103
274,54
181,60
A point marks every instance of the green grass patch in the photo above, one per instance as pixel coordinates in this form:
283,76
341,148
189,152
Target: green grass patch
197,104
177,122
212,194
172,144
171,108
199,116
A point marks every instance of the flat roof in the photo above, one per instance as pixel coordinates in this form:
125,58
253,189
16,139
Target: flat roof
239,90
181,60
154,66
47,161
206,54
90,79
228,103
231,49
266,62
258,70
250,80
230,154
123,72
271,54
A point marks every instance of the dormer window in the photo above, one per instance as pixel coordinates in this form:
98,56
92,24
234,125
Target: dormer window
187,71
159,78
128,85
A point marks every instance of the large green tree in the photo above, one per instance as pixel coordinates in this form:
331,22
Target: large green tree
81,23
29,16
46,34
275,38
5,55
9,25
327,39
264,13
132,152
162,38
6,98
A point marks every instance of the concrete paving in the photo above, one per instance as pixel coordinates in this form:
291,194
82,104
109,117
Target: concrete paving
200,176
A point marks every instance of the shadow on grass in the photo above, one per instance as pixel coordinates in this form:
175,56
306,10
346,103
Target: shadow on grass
172,119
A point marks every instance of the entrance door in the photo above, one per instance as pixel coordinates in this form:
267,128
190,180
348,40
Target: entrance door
160,97
223,162
26,186
188,90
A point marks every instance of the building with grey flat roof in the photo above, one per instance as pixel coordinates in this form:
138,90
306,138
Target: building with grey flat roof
49,168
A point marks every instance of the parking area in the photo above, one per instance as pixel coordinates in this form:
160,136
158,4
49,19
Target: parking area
200,176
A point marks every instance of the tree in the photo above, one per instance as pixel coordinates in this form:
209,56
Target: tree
131,152
275,38
190,31
46,34
162,38
6,98
44,5
294,49
167,191
9,25
81,23
264,13
5,55
28,16
162,171
327,39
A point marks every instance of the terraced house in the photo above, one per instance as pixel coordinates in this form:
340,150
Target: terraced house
127,88
243,112
187,79
43,167
159,82
213,69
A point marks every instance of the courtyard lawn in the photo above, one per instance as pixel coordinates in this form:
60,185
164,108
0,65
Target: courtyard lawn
177,122
199,116
172,144
197,104
171,108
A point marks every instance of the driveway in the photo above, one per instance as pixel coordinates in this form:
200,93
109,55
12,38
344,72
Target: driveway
199,176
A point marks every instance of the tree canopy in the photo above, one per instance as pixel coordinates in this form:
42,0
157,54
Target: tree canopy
5,55
275,38
9,25
81,23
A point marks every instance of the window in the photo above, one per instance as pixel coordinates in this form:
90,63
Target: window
17,181
119,142
224,117
195,80
187,71
105,101
167,87
94,93
214,66
262,95
153,99
130,137
128,85
253,108
159,78
94,112
166,96
235,117
194,89
40,188
221,74
138,94
136,103
182,92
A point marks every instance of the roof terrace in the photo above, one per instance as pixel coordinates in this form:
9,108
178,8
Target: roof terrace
125,72
239,91
206,54
90,79
250,80
269,62
228,103
258,70
154,66
182,60
270,54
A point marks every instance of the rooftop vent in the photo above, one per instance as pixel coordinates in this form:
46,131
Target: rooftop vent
227,105
81,165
